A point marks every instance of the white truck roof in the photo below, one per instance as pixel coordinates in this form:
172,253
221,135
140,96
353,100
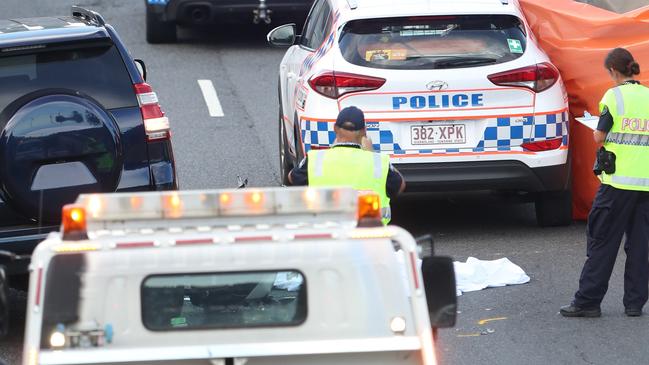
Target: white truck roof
272,276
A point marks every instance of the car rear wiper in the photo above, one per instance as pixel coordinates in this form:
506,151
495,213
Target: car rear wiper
463,61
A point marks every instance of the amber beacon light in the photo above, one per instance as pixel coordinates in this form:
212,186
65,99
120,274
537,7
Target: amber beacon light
73,226
369,210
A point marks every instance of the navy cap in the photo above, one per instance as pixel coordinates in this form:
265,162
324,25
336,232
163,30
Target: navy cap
351,119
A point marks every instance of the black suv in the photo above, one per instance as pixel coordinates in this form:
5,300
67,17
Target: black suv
76,116
162,16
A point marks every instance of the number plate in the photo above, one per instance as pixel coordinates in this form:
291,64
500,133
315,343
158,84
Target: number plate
438,134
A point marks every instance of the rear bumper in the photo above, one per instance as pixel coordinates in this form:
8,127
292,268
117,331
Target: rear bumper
185,11
508,175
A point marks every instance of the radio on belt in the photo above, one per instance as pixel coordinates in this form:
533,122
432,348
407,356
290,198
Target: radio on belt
277,275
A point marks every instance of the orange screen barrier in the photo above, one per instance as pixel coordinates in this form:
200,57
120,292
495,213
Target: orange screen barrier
577,38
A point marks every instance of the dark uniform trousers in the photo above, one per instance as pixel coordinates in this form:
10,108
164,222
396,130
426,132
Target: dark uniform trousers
614,213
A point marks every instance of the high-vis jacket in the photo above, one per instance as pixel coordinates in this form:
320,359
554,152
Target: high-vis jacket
360,169
628,139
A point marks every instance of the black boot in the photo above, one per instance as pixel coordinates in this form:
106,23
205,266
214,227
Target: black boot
575,311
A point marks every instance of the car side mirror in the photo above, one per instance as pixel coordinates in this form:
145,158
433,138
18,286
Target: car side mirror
141,67
441,295
282,36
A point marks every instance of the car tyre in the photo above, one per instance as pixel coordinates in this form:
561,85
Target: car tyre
285,162
158,31
554,208
4,303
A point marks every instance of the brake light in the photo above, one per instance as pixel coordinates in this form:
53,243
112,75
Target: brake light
547,145
538,78
336,84
156,125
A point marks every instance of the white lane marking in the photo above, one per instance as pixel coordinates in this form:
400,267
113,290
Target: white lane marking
211,99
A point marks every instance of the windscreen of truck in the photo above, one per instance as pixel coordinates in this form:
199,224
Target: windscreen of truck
433,42
96,70
224,300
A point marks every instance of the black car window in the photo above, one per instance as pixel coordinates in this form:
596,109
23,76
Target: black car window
224,300
433,42
98,72
309,32
321,29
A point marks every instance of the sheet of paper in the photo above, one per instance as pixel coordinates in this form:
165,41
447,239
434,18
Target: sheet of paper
590,122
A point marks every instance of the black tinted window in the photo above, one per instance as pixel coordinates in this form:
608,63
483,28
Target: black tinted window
98,72
434,42
315,29
224,300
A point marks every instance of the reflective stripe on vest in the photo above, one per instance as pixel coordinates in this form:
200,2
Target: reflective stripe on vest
629,139
627,180
377,166
319,164
619,101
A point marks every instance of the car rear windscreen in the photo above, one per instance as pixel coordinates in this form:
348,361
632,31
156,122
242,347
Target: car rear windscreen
224,300
433,42
98,72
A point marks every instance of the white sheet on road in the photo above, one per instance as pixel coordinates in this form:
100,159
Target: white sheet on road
475,274
472,275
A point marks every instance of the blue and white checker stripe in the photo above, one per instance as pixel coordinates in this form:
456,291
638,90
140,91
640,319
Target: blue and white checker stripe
499,135
317,134
383,139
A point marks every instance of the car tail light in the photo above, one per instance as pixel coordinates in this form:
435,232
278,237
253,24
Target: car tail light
336,84
547,145
156,125
538,77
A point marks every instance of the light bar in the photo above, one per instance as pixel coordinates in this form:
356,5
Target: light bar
218,203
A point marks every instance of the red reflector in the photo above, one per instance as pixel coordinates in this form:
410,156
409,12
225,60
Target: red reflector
314,236
39,279
320,147
143,88
134,244
547,145
195,242
336,84
253,239
415,273
151,111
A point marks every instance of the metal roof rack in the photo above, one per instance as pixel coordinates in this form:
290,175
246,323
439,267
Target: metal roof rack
353,4
88,15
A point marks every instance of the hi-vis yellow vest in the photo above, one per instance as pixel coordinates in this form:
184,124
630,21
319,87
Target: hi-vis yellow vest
354,167
629,137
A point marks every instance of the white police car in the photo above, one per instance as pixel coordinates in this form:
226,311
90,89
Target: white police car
457,92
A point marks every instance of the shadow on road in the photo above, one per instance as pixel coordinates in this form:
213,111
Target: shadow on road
467,212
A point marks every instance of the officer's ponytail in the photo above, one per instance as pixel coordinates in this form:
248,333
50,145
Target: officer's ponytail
622,61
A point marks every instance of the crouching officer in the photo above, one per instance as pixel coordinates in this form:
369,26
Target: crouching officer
351,162
622,201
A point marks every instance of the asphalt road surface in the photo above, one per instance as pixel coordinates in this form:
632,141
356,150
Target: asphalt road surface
525,327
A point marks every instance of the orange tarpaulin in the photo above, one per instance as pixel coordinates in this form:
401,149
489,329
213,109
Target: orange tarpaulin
577,38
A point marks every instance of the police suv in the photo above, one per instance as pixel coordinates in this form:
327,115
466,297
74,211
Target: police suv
459,93
271,276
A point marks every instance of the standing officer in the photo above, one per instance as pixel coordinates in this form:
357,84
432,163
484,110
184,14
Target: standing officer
622,202
351,162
